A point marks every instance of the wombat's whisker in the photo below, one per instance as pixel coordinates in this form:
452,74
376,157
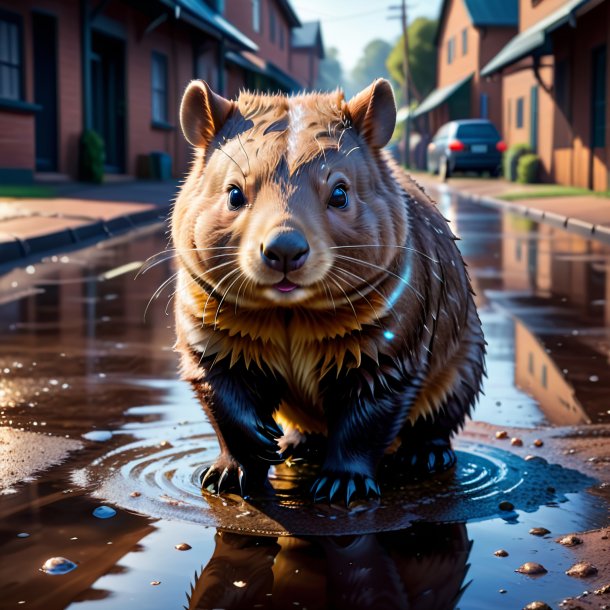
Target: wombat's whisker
175,252
349,152
224,296
245,153
159,290
224,152
236,270
430,258
349,301
245,282
373,266
330,294
353,287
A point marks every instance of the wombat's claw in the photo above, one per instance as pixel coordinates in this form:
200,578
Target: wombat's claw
225,480
343,488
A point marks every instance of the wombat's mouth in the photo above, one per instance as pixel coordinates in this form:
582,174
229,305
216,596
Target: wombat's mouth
285,285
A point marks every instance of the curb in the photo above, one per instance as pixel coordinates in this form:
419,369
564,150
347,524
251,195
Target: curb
14,249
571,225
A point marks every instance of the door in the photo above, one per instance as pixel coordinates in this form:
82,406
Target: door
534,118
108,91
44,35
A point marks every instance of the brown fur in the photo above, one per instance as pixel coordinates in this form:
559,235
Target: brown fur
404,278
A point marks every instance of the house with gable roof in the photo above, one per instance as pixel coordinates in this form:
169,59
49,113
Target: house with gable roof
470,33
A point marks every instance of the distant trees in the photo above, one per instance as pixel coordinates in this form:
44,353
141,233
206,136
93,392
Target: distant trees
371,65
422,58
330,73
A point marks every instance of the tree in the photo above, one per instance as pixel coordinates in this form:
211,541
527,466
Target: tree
422,58
330,73
371,65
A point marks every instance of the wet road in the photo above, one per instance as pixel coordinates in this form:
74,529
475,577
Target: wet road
89,397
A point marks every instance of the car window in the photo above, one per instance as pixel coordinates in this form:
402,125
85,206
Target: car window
442,132
477,130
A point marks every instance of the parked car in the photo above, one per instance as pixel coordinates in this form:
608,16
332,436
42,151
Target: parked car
467,145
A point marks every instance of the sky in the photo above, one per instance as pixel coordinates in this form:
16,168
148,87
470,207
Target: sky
350,24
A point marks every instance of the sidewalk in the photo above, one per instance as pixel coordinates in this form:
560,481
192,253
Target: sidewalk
587,215
78,214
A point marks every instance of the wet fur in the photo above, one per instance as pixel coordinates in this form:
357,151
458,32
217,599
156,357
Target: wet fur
379,352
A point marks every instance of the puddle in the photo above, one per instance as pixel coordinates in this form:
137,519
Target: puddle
162,480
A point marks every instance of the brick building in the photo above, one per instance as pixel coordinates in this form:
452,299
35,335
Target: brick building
119,67
470,33
556,82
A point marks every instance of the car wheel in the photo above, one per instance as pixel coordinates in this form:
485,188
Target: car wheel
443,168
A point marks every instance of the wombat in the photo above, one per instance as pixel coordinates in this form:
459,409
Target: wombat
319,291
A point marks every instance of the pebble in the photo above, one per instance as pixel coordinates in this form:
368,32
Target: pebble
506,505
502,591
516,442
537,606
570,540
538,443
57,566
602,590
501,553
154,583
501,434
539,531
531,568
183,546
135,494
582,570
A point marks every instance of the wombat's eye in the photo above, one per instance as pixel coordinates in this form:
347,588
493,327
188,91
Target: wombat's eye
236,199
339,199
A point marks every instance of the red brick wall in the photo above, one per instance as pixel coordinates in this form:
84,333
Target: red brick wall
239,13
304,67
17,135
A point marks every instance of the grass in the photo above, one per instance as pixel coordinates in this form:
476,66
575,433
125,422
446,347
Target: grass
29,191
553,190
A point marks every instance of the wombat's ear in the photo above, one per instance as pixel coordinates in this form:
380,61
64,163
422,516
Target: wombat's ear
373,113
202,113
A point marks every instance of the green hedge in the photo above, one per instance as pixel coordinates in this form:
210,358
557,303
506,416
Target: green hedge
92,157
511,159
527,168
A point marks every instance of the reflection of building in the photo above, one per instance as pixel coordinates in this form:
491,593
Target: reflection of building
556,78
470,34
120,68
556,289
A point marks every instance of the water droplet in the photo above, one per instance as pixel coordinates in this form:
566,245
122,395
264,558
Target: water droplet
239,583
539,531
594,378
501,553
154,583
58,565
99,436
104,512
23,535
388,334
30,269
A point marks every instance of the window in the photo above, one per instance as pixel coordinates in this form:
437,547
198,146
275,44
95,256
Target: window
509,112
544,378
484,106
11,66
519,113
530,363
159,88
451,50
256,15
598,99
561,86
271,24
464,41
282,42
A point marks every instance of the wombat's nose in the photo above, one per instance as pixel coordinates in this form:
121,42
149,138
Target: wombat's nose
285,250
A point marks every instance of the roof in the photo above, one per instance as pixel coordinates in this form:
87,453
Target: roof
535,40
439,96
289,13
254,63
493,13
308,36
199,14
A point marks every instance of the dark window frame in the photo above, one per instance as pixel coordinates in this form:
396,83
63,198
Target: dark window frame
519,112
451,50
599,96
159,91
16,20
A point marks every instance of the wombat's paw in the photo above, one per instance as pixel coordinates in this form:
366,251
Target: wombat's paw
432,457
224,476
342,488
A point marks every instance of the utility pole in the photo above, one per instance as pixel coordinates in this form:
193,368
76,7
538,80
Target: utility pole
405,68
